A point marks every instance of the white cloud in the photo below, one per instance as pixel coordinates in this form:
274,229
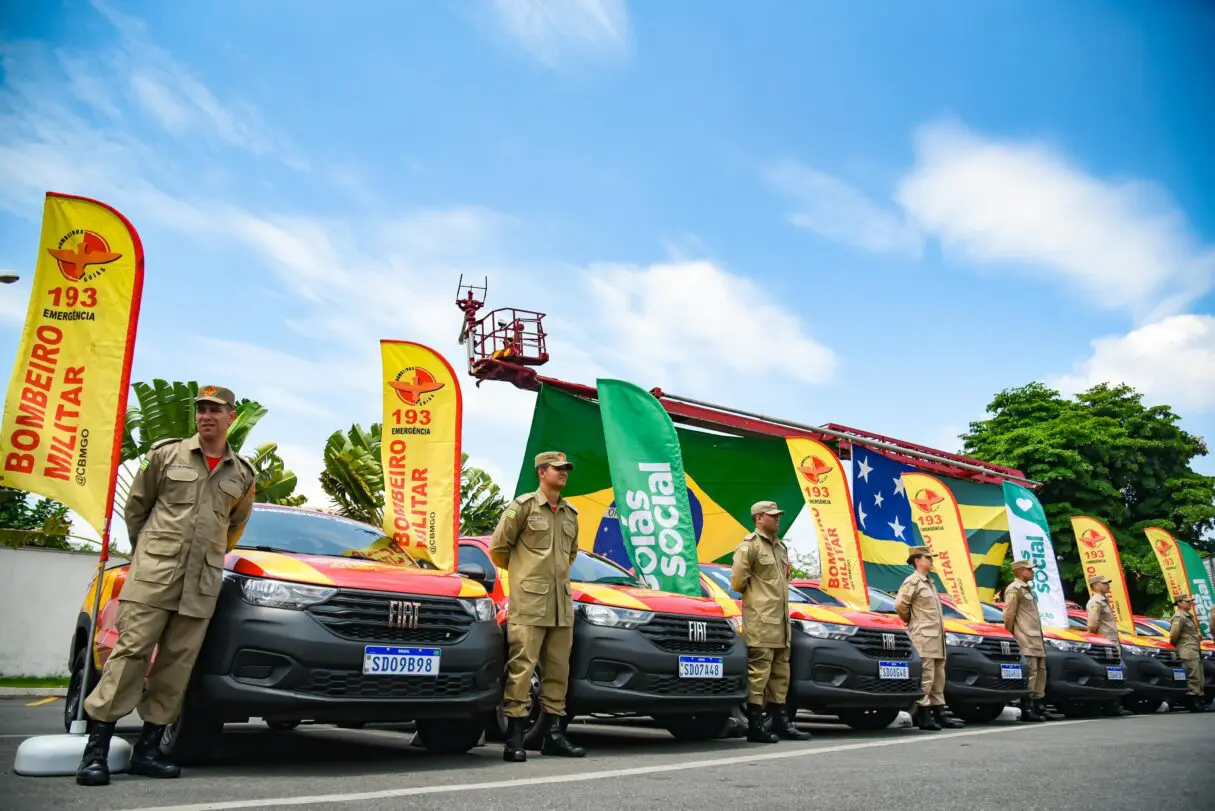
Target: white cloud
1022,203
558,34
831,208
1171,361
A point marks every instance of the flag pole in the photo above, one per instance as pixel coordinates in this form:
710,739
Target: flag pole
88,661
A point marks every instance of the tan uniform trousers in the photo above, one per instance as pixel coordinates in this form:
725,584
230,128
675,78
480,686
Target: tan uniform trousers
933,683
767,675
550,647
1036,675
1195,683
140,629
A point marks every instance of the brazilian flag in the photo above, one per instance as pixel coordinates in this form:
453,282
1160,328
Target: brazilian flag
725,476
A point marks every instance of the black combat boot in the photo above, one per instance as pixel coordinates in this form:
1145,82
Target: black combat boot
927,719
95,765
146,757
950,722
756,731
782,724
1114,709
512,749
1028,713
1044,713
554,741
1195,704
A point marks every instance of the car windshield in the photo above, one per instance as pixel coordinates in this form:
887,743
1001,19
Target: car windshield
953,613
721,577
881,602
1076,622
1147,629
992,614
314,533
591,569
815,595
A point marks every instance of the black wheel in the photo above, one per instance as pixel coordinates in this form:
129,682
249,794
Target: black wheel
450,736
703,726
870,719
1142,706
977,713
282,726
192,738
1078,709
75,693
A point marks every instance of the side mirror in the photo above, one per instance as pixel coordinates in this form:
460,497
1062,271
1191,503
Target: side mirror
473,571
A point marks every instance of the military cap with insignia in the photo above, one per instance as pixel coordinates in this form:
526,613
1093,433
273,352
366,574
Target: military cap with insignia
1022,564
1098,578
918,552
765,508
554,459
216,394
1182,598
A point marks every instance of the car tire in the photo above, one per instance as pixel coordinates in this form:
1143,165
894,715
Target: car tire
977,713
1143,706
1078,709
75,689
282,726
194,736
869,719
701,726
450,736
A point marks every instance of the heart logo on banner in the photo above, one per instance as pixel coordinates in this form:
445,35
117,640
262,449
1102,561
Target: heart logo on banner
1024,504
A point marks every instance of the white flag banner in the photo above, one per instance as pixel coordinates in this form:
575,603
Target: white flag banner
1031,541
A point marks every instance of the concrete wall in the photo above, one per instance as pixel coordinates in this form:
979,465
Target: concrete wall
41,591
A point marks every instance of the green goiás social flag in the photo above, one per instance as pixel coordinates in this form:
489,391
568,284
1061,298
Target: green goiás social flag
1200,583
651,491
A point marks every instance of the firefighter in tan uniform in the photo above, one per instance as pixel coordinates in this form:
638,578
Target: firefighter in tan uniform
919,605
1101,622
1187,638
187,508
536,541
761,575
1022,620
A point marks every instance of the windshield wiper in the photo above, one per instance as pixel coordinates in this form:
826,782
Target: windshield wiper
269,549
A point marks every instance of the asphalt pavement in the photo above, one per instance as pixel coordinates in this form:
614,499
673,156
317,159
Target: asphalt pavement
1159,761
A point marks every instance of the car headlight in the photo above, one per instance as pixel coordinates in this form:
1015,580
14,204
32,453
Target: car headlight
481,608
736,624
1136,650
1068,645
610,617
281,594
824,630
963,640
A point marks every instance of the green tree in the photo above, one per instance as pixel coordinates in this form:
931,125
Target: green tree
354,479
1103,453
40,522
165,410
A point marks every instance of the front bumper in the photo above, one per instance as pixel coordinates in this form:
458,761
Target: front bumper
974,677
1079,677
1208,676
623,671
827,675
280,663
1151,679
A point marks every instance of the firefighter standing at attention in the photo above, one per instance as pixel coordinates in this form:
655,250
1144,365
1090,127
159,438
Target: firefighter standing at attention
919,605
536,541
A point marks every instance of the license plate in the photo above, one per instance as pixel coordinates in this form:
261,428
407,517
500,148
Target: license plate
894,670
1010,671
1114,673
700,667
390,661
1179,673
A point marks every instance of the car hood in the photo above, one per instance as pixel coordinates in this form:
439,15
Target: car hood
867,619
350,573
1073,635
977,628
1146,641
643,599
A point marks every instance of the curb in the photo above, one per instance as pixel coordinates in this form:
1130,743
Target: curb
32,692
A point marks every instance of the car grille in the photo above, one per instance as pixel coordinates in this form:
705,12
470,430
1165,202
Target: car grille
672,633
871,643
994,648
348,684
675,686
1106,654
364,616
1169,657
870,684
995,683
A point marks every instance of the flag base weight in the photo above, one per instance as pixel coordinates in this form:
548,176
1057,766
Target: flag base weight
60,755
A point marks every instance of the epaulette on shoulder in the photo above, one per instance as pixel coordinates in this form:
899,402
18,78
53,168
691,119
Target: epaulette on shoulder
248,463
526,497
161,443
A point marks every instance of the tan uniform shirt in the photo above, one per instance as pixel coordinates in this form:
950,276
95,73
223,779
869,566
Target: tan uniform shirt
919,605
761,575
1184,634
537,545
1101,618
182,518
1021,618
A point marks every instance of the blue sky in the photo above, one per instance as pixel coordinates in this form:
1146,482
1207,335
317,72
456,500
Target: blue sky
753,203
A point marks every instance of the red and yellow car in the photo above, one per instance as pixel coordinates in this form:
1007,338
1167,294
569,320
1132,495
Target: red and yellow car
1156,627
1151,668
319,619
637,651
